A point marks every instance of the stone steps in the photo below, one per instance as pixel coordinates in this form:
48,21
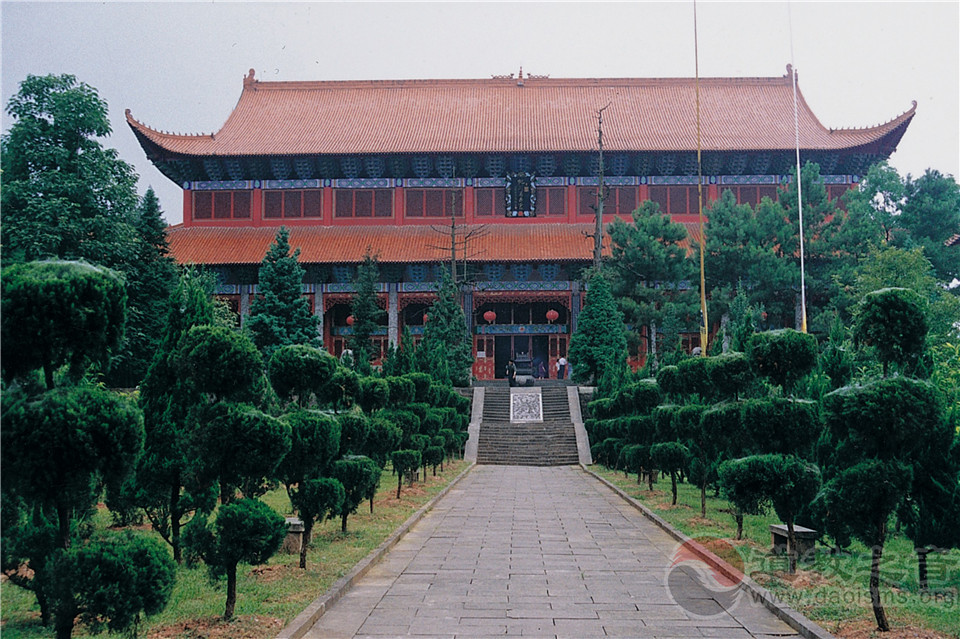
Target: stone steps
538,444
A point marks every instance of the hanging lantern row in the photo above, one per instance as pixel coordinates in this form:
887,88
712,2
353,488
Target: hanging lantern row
490,316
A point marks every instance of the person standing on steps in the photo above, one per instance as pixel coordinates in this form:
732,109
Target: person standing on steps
561,367
511,373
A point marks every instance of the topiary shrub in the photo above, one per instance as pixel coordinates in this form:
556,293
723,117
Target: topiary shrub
316,500
405,461
433,456
384,438
669,381
421,386
402,390
695,377
892,321
357,477
670,457
782,356
729,373
298,371
374,393
780,425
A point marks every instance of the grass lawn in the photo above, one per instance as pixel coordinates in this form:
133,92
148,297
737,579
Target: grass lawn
268,596
832,590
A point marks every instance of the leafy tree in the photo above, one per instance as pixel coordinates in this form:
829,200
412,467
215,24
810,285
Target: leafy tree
931,214
281,314
781,425
599,338
784,355
730,374
796,483
402,390
316,500
109,581
648,261
893,322
433,456
670,457
445,351
745,483
246,530
893,267
358,475
314,445
404,461
298,371
56,312
64,195
367,314
877,201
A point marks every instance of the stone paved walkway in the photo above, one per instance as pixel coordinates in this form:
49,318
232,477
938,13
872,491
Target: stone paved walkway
538,552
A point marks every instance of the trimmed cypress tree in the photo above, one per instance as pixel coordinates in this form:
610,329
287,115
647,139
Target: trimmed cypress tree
599,340
281,315
445,352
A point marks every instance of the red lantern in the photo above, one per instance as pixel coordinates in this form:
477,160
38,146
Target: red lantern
552,316
349,320
425,318
490,316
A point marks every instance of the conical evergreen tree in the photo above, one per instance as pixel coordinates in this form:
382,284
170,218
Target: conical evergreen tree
600,338
281,315
446,342
367,314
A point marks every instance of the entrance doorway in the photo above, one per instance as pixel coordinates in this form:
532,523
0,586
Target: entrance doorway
507,347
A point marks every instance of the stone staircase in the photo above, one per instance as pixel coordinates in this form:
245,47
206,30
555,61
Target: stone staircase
552,442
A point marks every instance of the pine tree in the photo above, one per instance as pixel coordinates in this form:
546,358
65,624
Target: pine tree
281,315
367,314
446,342
600,338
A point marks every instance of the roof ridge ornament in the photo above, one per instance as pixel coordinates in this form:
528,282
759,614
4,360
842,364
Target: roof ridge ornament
249,79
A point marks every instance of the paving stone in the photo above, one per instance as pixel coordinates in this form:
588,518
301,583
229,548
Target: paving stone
536,552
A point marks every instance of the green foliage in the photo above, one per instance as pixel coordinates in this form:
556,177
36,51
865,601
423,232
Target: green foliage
599,339
57,313
374,393
433,456
356,432
670,381
60,448
779,425
445,353
314,444
670,457
108,582
299,371
239,446
404,461
783,356
695,377
359,476
402,390
648,258
221,362
316,499
931,214
343,389
746,482
639,397
893,322
281,316
421,384
730,374
246,531
367,314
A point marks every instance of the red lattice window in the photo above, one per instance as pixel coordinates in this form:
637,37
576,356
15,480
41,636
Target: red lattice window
752,195
434,202
551,200
221,205
621,200
675,200
291,204
490,201
363,203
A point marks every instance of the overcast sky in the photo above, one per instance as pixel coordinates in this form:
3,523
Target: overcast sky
179,66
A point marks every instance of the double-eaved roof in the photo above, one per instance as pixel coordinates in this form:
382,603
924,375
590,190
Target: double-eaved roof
510,115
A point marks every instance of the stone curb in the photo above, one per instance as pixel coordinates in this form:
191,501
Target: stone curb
788,615
306,619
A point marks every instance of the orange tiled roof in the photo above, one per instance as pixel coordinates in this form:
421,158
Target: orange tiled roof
347,244
497,115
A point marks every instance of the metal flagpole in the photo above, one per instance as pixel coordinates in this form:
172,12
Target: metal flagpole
703,290
796,133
